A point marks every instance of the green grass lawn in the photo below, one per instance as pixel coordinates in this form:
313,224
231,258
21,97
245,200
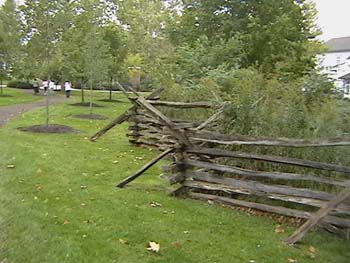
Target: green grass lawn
59,204
15,96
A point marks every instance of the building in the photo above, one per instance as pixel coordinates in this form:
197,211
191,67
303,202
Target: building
336,63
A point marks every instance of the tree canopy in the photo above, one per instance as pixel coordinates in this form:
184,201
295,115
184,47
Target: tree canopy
177,40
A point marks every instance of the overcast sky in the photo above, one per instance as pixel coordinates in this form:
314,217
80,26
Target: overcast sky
333,17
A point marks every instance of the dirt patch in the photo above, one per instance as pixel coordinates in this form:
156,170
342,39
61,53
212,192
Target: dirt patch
90,116
51,128
11,111
86,104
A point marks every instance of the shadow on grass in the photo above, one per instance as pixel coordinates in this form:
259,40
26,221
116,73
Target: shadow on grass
112,100
90,116
51,128
86,104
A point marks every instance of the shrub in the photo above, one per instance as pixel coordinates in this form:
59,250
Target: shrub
18,84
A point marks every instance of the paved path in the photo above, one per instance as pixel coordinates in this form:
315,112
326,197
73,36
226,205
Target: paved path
11,111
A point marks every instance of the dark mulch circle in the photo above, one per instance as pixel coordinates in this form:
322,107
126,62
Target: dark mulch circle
90,116
112,100
51,128
86,104
5,96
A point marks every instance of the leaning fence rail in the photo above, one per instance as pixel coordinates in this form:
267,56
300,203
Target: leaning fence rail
202,168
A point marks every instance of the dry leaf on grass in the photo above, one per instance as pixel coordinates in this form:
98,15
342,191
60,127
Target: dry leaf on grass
153,246
292,260
122,241
155,204
279,229
176,244
312,249
10,166
311,252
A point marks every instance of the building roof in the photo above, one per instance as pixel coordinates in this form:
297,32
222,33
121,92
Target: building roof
340,44
345,77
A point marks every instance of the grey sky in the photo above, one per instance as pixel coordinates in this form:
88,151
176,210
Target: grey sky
333,17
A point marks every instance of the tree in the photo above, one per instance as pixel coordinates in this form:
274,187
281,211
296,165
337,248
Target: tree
277,35
9,39
115,38
145,22
96,59
43,23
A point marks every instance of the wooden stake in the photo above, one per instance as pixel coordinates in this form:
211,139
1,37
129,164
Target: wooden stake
125,116
144,168
213,118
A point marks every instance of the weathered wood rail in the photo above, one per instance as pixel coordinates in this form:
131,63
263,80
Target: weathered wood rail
205,168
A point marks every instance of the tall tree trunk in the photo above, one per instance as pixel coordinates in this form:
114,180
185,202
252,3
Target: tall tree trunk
82,94
110,89
48,102
90,98
1,90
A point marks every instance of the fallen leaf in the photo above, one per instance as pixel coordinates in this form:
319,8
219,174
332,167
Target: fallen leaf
115,162
66,222
311,252
153,246
176,244
122,241
155,204
83,186
186,232
312,249
11,166
279,229
292,260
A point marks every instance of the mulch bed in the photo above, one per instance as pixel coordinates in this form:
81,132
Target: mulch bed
112,100
86,104
90,116
51,128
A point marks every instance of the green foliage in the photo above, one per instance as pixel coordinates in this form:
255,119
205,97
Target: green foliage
18,84
96,57
9,37
275,35
191,62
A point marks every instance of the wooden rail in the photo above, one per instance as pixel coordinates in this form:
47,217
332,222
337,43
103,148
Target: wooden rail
202,171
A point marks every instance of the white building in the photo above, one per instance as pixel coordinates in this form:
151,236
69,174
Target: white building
336,63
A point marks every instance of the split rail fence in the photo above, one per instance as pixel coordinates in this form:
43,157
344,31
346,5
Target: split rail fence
206,168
